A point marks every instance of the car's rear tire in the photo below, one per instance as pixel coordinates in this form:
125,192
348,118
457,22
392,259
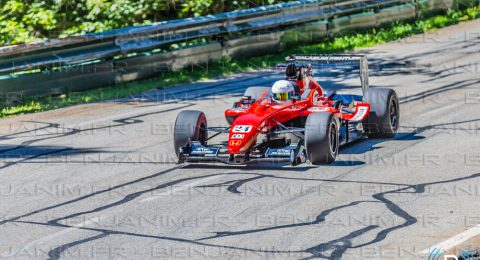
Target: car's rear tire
384,117
190,124
322,138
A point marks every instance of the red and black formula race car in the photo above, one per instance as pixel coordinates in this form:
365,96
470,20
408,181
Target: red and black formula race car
294,125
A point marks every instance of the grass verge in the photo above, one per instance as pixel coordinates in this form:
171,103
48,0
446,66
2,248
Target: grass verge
226,66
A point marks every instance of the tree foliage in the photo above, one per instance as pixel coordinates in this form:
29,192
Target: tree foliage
32,20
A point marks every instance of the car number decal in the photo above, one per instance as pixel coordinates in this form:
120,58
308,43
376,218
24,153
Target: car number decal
238,136
242,129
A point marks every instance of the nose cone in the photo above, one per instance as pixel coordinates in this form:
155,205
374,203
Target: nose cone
243,133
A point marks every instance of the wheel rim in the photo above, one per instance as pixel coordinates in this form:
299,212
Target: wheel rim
333,138
393,113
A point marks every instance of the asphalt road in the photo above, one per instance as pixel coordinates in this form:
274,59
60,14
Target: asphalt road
101,180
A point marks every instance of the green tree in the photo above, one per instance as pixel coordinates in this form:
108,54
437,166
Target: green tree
33,20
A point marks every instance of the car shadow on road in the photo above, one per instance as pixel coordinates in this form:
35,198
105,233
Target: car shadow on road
257,166
365,145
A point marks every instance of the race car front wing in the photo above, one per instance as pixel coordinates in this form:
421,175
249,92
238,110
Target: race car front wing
197,152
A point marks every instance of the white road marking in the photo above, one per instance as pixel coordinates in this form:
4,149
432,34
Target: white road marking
455,240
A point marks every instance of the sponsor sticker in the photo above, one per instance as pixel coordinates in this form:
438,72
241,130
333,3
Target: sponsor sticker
362,110
280,152
235,142
204,151
237,136
317,109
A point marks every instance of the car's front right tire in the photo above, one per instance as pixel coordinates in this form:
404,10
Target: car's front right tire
190,124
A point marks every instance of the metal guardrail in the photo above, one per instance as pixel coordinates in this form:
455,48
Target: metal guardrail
131,53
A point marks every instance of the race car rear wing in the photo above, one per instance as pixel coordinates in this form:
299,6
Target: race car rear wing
352,60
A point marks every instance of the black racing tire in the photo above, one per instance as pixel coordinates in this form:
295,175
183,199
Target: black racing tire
384,117
190,124
322,138
256,92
